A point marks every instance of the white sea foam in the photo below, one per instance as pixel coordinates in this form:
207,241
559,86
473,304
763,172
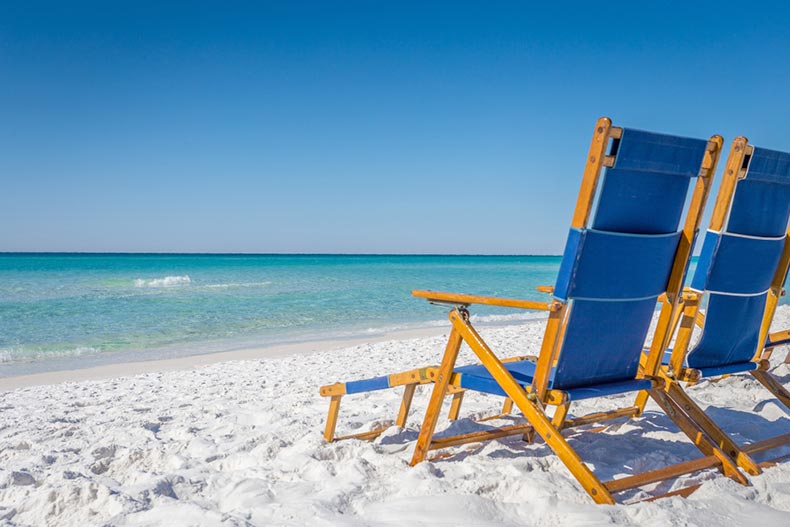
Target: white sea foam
167,281
23,355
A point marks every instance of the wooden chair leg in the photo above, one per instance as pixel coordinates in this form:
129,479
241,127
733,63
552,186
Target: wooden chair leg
697,435
559,415
773,386
641,401
331,419
713,431
437,397
507,406
534,414
405,405
455,406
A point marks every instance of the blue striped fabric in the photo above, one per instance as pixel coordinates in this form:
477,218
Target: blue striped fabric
736,266
728,369
605,265
368,385
613,283
478,379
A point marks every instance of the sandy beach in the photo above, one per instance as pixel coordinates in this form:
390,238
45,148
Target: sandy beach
235,439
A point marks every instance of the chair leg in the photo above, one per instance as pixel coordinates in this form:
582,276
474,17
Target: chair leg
437,397
507,406
641,401
713,431
405,405
559,415
773,386
455,406
534,414
331,419
696,434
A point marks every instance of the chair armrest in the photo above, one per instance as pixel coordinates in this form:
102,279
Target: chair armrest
688,295
465,300
545,289
777,338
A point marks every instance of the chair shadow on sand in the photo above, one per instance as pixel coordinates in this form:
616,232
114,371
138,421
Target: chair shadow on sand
637,449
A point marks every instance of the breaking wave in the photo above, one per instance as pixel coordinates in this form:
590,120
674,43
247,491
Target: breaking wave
167,281
23,355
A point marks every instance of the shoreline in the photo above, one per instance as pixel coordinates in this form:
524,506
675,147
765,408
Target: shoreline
306,346
215,439
188,362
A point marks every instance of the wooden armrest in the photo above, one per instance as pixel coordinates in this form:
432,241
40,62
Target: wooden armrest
777,336
545,289
688,295
465,300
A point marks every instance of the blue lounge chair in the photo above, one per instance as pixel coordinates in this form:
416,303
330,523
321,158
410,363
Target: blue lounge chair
619,259
741,272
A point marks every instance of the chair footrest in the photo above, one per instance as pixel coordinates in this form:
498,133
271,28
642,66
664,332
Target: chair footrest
475,437
661,474
766,444
600,416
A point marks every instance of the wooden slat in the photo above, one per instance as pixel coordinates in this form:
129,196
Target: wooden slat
592,171
331,418
405,405
455,406
685,492
773,386
465,300
475,437
331,390
773,462
549,349
437,394
419,376
629,411
779,335
653,476
732,171
364,436
766,444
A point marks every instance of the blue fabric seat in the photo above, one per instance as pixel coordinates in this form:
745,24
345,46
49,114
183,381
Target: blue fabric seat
477,378
737,265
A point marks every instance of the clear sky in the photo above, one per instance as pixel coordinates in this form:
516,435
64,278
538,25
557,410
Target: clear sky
365,127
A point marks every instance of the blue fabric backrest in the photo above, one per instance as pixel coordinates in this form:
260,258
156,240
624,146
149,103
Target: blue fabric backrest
736,265
613,271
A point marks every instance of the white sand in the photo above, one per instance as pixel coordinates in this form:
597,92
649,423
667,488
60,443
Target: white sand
239,443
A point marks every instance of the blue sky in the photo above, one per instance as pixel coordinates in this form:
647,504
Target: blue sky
363,127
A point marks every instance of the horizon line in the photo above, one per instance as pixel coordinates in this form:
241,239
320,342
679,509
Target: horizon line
146,253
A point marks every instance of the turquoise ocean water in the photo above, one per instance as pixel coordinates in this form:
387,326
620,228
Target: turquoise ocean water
62,311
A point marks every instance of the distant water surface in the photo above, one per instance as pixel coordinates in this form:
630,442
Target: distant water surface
71,310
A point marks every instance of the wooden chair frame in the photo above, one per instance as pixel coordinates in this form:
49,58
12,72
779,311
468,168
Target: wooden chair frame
676,373
533,400
409,379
